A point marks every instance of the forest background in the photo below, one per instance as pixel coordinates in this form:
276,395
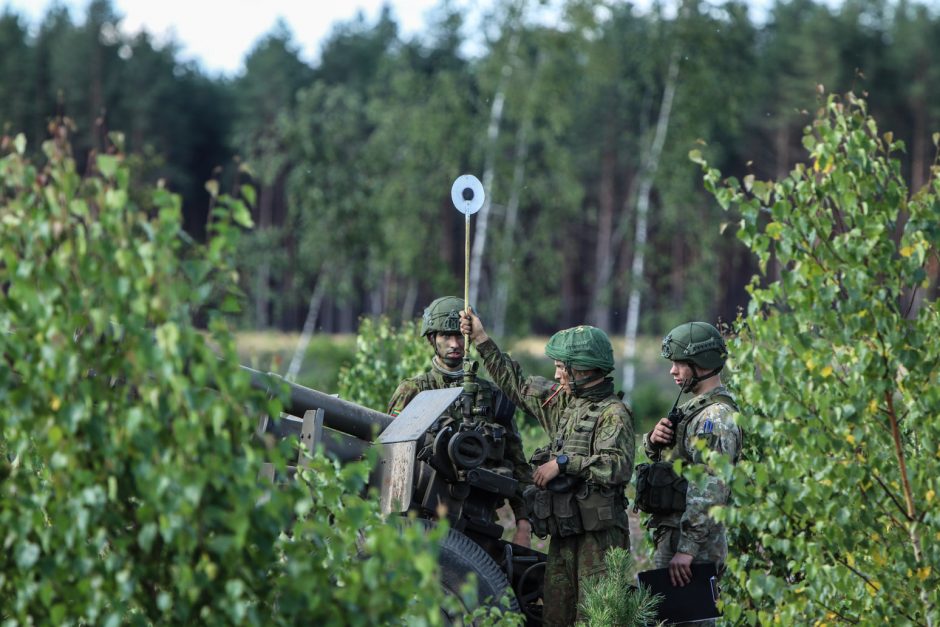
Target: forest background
579,128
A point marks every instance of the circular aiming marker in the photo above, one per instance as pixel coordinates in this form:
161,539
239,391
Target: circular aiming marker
467,194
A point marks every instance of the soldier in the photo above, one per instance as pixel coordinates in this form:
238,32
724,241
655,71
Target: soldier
697,352
440,324
578,495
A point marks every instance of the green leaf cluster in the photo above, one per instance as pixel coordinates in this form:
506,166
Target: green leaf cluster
385,356
836,516
130,489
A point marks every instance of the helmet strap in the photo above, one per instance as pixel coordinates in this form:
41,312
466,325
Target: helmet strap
693,383
578,384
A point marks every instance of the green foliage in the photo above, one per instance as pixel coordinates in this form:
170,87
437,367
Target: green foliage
614,600
837,515
385,355
493,615
130,490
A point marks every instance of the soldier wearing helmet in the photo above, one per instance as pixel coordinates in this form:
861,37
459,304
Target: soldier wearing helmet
578,497
440,324
697,352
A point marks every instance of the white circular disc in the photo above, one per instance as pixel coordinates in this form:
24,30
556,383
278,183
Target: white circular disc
467,194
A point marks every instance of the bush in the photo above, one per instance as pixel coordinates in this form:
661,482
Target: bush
384,356
837,517
129,486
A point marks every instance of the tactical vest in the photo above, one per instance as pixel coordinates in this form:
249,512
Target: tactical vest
692,409
567,507
659,490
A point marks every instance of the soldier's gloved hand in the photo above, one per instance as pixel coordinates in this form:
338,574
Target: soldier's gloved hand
545,473
523,535
471,326
680,569
662,433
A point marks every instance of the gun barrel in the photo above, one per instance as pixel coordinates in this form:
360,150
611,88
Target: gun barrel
344,416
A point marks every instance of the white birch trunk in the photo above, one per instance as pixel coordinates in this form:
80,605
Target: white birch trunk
501,296
489,167
310,325
648,174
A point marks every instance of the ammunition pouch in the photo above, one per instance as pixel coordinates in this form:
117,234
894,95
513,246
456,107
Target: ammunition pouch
574,511
659,490
599,507
539,504
566,515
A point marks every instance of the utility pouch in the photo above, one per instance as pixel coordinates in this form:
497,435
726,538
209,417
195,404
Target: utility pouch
539,504
598,508
659,490
566,514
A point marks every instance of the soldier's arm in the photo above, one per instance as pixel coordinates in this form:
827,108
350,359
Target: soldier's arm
528,393
521,471
611,461
653,451
715,425
406,391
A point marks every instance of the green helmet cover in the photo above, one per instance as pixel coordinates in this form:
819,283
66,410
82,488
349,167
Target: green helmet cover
697,342
583,347
442,316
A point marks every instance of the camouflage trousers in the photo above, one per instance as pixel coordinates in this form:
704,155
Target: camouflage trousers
571,561
667,542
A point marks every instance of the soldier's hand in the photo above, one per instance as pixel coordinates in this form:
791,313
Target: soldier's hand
680,569
471,326
662,433
545,473
523,535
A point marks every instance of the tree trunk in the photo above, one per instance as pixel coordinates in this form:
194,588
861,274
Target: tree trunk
263,272
501,296
411,298
489,167
310,325
647,175
603,251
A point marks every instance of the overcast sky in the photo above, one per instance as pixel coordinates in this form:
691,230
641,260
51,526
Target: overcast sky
219,33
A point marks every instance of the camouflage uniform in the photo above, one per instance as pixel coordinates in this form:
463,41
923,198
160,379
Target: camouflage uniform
513,462
693,532
609,466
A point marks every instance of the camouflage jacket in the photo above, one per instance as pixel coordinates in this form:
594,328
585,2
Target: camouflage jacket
435,379
715,424
610,463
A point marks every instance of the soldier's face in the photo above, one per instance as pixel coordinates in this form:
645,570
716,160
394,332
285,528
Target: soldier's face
682,372
561,375
449,348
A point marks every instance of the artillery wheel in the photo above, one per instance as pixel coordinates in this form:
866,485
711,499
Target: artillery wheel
530,589
460,556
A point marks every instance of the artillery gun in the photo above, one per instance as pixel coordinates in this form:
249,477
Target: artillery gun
432,464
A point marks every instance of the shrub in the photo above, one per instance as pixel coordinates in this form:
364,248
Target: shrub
384,356
837,517
130,491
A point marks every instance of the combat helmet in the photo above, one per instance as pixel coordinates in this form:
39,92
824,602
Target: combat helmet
696,342
583,347
442,316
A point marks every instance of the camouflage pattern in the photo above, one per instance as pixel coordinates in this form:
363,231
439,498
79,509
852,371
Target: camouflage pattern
693,531
571,561
609,465
514,456
583,347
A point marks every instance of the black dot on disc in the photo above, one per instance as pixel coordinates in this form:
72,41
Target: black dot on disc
467,193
